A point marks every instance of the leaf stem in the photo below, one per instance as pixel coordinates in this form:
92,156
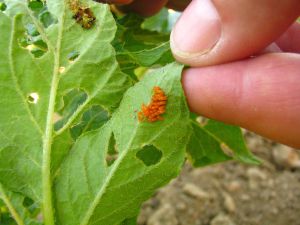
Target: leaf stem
47,145
47,141
46,169
10,206
72,118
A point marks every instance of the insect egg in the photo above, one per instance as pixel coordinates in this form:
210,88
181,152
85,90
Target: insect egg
153,112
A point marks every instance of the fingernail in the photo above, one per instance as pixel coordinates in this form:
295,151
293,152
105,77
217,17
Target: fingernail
198,30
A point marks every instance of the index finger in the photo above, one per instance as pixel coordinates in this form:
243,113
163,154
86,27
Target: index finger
213,32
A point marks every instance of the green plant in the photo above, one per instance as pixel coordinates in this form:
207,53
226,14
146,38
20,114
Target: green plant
72,150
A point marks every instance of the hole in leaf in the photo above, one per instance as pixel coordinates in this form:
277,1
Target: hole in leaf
131,221
56,117
202,120
33,98
32,207
2,6
69,104
112,153
40,11
92,119
62,69
31,30
149,155
46,18
27,202
73,55
36,6
32,41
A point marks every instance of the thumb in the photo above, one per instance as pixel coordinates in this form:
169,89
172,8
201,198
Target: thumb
215,31
261,94
144,7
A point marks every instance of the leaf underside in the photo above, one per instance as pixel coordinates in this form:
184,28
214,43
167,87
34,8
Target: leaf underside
70,138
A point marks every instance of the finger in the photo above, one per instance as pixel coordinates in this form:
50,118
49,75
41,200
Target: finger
144,7
216,31
290,40
272,48
115,1
261,94
178,5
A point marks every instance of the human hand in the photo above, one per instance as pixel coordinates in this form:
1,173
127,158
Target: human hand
260,93
147,7
218,38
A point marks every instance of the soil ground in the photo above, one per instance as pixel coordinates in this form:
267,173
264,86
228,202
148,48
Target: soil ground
232,193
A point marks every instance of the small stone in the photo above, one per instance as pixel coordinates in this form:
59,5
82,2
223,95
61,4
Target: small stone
275,211
221,220
253,185
194,191
286,157
229,203
245,197
273,194
181,206
270,183
234,186
164,215
256,173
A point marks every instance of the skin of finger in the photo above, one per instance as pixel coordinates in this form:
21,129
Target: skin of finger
290,40
272,48
115,1
247,28
144,7
260,94
178,5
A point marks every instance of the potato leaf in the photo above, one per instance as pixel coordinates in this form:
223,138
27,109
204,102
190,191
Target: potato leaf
71,140
32,87
90,191
140,47
216,142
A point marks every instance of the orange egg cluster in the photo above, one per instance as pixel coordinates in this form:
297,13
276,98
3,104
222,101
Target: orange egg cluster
153,112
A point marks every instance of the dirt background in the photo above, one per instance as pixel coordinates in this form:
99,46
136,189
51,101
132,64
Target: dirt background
232,193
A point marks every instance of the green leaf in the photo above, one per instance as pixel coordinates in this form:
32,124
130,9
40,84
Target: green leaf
162,22
158,22
21,124
109,194
70,138
232,137
2,6
138,47
15,204
31,88
217,142
203,149
92,119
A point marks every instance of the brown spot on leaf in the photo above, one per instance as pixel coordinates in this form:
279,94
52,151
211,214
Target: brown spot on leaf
82,15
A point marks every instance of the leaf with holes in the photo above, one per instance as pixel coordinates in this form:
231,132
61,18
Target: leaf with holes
32,90
140,47
148,156
21,208
81,143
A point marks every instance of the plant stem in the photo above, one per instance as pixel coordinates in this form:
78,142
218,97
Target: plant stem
47,141
10,207
47,146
